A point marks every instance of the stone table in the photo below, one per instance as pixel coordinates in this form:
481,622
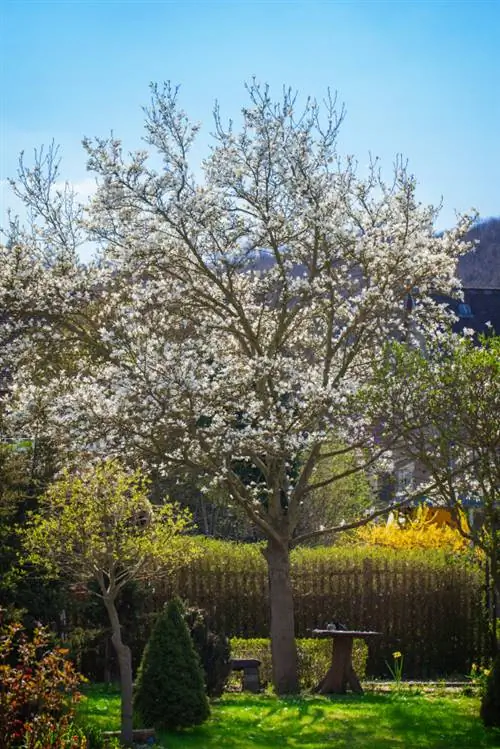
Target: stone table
341,673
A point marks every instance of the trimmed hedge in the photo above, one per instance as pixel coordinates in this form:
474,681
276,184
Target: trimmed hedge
314,657
427,604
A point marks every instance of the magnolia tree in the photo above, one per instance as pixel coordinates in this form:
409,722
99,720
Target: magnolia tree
98,524
232,314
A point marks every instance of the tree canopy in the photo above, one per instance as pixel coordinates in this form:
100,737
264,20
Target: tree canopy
233,312
445,401
99,524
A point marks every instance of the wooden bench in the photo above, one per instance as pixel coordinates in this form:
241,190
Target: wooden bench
250,669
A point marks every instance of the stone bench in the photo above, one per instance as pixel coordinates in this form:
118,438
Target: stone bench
250,669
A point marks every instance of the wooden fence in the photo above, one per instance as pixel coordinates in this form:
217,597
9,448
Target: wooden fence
434,615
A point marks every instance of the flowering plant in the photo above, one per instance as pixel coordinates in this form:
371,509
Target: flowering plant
397,668
38,691
479,677
234,315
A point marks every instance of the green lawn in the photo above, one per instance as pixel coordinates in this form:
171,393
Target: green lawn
370,721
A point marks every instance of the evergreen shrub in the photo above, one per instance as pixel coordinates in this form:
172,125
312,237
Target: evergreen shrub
170,689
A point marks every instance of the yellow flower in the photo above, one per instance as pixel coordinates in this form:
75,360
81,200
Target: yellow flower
397,654
486,671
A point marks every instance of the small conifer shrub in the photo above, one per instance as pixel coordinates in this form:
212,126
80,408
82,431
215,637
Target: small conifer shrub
170,689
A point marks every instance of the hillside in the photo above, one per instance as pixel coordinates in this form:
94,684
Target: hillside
481,267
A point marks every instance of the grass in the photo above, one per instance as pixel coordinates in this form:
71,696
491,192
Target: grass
379,721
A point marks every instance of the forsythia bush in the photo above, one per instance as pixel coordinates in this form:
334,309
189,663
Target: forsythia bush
418,533
38,692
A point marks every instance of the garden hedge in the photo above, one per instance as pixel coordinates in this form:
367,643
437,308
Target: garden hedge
429,605
314,656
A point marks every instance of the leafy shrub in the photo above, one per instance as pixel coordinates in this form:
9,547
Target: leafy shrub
170,691
38,692
314,657
93,735
213,650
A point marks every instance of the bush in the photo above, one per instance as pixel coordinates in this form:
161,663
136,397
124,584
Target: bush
314,657
213,650
38,691
490,702
170,691
427,603
418,532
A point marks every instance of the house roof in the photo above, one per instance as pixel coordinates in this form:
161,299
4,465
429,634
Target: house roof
478,308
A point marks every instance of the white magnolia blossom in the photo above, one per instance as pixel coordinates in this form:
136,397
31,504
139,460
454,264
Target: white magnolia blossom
230,321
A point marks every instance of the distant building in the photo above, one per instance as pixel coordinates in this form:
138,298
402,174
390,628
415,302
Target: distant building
479,309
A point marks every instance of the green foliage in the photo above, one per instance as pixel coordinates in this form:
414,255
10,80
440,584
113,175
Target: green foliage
443,402
100,520
93,734
428,604
213,650
314,657
38,692
24,473
99,525
340,499
170,691
490,701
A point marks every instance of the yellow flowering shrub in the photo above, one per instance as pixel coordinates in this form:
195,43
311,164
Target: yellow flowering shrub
417,533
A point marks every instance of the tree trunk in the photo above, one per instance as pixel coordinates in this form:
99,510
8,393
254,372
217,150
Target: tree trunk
283,649
125,667
494,594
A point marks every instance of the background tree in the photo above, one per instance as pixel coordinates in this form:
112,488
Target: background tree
232,317
333,503
445,401
25,471
99,524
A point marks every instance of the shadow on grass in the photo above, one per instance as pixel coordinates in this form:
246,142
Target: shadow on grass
374,721
350,722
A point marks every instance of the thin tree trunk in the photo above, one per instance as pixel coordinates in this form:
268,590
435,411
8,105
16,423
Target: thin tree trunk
283,649
125,667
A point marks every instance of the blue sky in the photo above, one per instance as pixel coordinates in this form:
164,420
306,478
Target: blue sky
419,78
